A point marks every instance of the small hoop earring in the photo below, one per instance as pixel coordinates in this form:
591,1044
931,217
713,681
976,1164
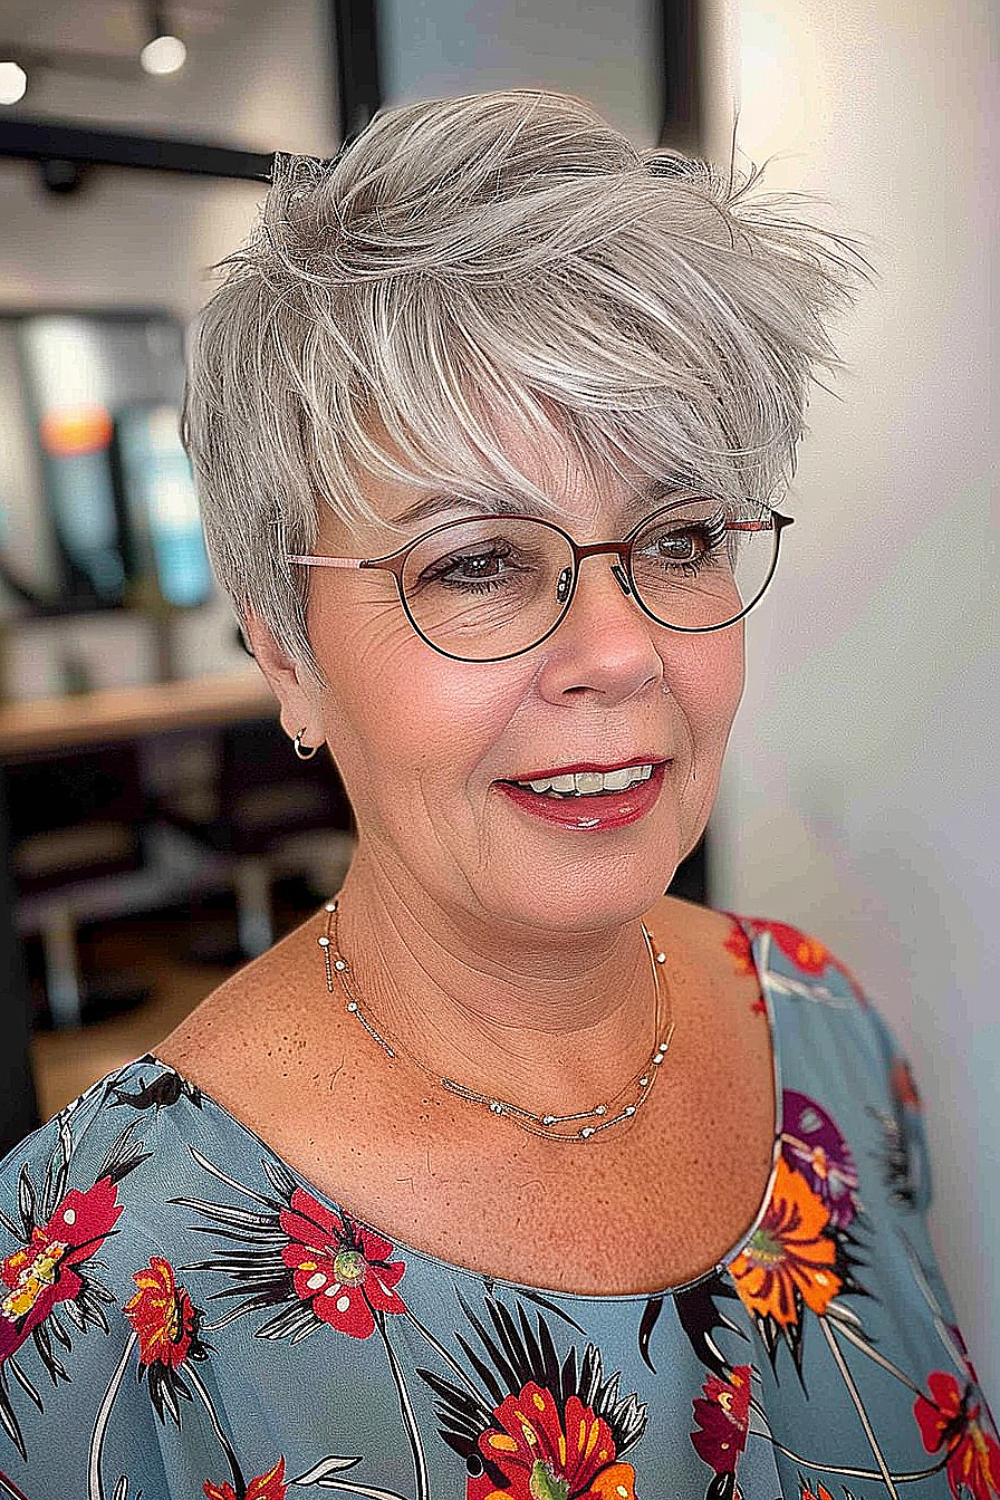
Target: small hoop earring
297,743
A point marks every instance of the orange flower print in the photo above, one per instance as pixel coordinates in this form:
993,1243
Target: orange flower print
820,1493
162,1314
788,1258
547,1456
166,1323
269,1486
789,1262
949,1419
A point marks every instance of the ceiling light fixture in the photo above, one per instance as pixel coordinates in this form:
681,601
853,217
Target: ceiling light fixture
13,82
164,52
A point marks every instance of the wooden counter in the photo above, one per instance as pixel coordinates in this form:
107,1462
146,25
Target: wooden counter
82,719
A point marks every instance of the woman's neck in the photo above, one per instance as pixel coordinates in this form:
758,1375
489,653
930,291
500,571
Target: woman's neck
544,1019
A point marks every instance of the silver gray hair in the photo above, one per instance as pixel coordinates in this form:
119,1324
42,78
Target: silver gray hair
466,264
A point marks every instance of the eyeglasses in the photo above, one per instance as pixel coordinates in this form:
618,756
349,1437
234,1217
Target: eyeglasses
492,587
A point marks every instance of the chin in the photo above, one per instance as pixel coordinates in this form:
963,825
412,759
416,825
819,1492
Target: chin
582,893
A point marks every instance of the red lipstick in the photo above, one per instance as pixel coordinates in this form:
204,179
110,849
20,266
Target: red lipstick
585,814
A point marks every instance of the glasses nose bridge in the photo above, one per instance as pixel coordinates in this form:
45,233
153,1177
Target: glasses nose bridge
619,569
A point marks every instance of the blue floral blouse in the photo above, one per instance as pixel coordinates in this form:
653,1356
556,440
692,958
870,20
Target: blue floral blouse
183,1315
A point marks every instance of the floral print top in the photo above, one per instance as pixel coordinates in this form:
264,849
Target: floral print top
182,1315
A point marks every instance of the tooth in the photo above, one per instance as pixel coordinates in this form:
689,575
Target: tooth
617,781
563,784
539,786
588,781
645,772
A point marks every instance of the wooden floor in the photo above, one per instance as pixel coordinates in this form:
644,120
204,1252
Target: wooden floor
157,952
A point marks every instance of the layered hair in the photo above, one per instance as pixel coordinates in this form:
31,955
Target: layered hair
471,267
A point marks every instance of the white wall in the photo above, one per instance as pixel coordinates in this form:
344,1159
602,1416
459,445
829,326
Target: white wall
861,797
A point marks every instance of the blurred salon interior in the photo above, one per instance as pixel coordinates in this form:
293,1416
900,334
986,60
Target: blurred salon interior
158,828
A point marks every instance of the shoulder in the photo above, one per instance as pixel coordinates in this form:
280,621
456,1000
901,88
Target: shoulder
91,1174
830,1027
232,1044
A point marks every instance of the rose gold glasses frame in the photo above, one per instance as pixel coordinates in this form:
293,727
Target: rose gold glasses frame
394,563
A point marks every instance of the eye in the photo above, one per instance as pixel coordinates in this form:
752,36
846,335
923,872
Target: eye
687,542
683,546
490,564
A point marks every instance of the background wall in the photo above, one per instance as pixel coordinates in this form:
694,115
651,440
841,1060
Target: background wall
861,798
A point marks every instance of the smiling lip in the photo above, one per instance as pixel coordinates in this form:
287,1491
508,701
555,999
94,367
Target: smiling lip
590,765
594,814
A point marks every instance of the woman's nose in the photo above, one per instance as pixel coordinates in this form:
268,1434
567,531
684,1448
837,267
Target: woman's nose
605,644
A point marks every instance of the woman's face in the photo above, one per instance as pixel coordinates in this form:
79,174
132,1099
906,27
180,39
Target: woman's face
428,747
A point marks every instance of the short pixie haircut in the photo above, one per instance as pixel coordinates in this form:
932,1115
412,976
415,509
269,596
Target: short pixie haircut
466,264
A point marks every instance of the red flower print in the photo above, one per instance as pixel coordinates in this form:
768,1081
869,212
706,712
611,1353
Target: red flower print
724,1418
821,1493
807,953
948,1419
269,1486
545,1456
166,1322
789,1259
738,944
162,1314
341,1269
903,1087
563,1437
43,1273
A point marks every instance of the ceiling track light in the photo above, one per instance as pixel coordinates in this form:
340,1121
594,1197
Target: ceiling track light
164,52
13,81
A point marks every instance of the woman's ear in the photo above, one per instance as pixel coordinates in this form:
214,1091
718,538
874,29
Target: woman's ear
291,682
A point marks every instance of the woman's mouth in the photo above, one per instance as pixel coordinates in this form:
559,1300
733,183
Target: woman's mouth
590,798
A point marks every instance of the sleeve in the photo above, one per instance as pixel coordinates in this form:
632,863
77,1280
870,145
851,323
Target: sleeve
74,1419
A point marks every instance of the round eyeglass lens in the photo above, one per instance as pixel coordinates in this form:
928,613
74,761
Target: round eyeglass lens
703,563
489,588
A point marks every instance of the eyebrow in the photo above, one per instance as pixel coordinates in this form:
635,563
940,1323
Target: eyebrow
655,492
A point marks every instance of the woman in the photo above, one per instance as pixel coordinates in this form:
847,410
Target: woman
506,1175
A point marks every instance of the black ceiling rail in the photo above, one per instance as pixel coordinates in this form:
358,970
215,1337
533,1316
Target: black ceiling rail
357,63
678,22
33,139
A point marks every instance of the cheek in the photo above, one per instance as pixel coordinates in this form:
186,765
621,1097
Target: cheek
396,707
708,684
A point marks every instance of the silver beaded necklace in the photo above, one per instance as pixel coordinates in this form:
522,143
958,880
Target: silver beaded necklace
547,1125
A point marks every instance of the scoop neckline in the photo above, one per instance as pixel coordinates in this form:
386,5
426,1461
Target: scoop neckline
451,1268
